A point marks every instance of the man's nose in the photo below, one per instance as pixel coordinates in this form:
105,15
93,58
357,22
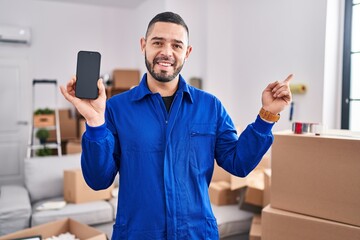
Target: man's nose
167,50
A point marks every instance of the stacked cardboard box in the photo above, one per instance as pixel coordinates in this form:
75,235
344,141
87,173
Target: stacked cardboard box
226,189
74,145
220,189
68,127
123,80
315,187
255,229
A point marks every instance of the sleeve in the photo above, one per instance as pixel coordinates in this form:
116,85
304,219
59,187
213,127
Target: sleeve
240,155
99,155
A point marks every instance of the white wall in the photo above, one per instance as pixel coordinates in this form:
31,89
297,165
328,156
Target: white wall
239,47
257,42
60,30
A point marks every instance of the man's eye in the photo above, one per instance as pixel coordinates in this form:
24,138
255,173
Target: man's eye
178,46
156,43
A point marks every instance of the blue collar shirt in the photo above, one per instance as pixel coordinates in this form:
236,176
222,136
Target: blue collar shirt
165,160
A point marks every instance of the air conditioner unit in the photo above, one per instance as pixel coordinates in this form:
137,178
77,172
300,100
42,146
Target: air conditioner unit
16,35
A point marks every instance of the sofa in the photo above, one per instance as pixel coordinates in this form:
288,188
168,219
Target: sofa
43,182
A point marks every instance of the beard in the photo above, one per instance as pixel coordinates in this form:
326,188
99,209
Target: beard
162,76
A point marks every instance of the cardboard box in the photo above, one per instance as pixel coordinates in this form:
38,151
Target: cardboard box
44,120
317,175
248,206
254,178
77,191
221,194
73,146
282,225
68,126
223,183
111,91
56,228
125,79
267,187
255,228
81,127
254,196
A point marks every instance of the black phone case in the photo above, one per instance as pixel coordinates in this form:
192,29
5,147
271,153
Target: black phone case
87,74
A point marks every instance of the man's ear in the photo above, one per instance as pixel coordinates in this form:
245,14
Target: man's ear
142,45
188,51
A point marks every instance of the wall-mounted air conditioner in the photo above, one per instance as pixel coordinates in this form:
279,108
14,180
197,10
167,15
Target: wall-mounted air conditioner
15,35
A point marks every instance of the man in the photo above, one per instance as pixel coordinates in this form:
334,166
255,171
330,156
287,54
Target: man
163,136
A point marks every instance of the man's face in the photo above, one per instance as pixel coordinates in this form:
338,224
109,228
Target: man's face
165,49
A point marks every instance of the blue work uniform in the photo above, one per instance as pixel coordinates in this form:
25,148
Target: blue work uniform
166,160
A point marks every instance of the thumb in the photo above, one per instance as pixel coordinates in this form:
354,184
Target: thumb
101,87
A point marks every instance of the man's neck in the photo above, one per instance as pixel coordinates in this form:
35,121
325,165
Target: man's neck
165,89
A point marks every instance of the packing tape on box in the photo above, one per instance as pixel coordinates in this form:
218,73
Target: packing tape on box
298,88
300,128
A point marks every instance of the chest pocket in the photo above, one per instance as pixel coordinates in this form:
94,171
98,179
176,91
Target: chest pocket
202,145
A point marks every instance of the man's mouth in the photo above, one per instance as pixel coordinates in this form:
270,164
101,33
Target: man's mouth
164,61
165,64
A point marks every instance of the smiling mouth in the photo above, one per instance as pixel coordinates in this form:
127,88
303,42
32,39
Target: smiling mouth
164,61
165,64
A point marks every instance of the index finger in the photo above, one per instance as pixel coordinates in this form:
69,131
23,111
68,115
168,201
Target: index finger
71,84
289,78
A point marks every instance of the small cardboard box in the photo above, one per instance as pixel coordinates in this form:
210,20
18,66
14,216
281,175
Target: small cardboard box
221,194
44,120
255,228
73,146
254,178
282,225
317,175
224,187
81,231
82,127
68,126
77,191
254,196
125,78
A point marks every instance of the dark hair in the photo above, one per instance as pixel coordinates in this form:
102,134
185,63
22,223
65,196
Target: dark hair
167,17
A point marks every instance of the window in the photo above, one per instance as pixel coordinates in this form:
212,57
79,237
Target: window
350,115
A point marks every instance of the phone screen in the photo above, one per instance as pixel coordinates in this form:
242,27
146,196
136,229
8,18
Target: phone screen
87,74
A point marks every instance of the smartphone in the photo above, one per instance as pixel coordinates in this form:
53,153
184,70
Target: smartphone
87,74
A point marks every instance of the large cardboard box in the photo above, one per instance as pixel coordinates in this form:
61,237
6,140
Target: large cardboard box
317,175
125,78
81,231
77,191
282,225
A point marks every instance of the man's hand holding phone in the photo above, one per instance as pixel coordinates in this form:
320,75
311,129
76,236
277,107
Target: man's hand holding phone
85,90
93,110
